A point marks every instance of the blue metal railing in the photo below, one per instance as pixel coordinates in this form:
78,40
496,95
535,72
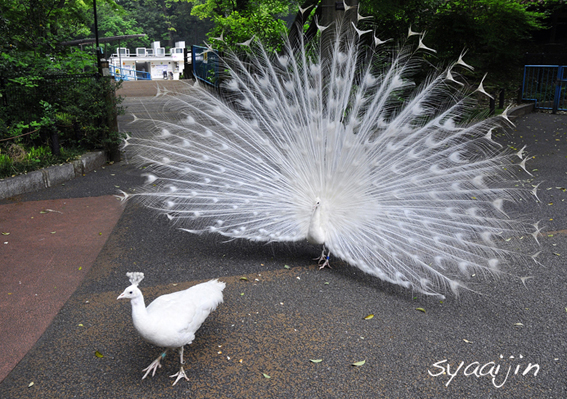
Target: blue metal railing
205,65
546,86
129,74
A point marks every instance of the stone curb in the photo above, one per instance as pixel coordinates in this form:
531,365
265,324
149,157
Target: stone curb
522,110
50,176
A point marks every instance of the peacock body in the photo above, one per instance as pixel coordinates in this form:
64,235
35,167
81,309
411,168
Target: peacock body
335,144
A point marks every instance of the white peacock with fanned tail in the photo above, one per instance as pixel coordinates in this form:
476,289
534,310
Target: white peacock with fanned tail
334,143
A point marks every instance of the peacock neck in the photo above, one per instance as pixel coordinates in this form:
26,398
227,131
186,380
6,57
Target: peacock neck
139,311
316,232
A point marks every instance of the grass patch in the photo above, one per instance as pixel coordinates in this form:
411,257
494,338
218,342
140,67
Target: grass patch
15,159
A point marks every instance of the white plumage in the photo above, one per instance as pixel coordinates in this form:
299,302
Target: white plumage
171,320
342,150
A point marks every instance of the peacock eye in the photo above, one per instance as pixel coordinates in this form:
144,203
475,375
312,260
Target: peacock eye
131,292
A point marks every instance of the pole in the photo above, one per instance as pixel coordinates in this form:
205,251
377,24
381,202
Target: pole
96,39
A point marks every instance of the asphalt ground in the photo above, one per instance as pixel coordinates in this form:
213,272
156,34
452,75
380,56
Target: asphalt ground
280,311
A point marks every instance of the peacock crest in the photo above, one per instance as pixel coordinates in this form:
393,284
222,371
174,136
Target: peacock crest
135,277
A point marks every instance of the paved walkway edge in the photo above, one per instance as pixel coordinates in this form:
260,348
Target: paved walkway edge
50,176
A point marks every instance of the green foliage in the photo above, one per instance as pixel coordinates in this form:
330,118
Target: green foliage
80,111
27,81
393,18
165,20
37,26
239,21
15,159
90,106
493,31
37,104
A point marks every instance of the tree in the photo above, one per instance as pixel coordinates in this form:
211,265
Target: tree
493,31
31,32
240,20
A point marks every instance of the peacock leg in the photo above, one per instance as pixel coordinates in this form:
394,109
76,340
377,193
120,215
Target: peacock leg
154,365
181,373
324,258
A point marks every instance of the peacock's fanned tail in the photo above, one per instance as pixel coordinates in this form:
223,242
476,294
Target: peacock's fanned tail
411,190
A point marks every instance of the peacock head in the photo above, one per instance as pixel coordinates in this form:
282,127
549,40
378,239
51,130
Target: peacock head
132,291
317,203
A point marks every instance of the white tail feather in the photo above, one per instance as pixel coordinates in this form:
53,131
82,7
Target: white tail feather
409,189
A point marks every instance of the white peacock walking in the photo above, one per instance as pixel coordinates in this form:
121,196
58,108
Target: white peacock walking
171,320
337,145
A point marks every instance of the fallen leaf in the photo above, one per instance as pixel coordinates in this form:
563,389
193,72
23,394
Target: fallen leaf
30,384
5,234
370,316
358,364
98,354
315,360
244,278
287,267
266,375
420,309
80,325
467,341
518,324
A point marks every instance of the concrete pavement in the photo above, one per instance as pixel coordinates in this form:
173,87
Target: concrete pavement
260,342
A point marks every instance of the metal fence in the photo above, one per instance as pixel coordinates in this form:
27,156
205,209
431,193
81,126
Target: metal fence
79,109
129,74
22,99
546,86
206,65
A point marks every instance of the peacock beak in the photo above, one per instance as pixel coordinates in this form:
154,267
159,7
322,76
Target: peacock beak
120,296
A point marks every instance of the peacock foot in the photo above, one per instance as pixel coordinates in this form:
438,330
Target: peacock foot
325,264
154,366
324,258
180,374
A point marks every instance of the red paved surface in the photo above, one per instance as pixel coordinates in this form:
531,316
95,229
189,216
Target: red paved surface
46,249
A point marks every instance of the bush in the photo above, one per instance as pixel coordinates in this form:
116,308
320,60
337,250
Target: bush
15,159
68,113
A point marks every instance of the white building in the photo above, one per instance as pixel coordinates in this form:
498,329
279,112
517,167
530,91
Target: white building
148,63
